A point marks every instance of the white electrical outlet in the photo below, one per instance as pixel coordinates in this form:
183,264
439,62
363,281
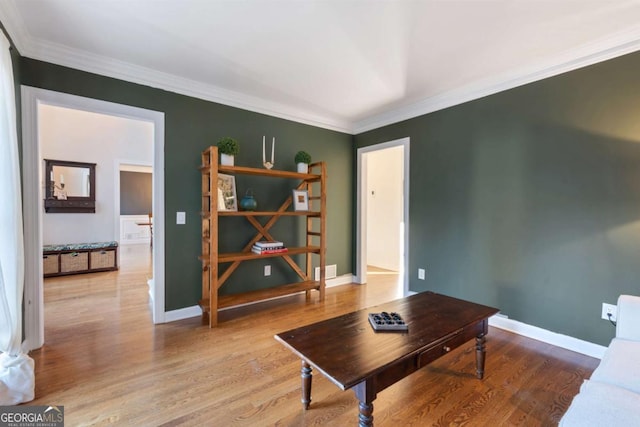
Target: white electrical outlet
421,273
609,309
181,218
267,270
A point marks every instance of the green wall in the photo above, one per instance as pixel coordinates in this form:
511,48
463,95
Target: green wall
529,200
191,125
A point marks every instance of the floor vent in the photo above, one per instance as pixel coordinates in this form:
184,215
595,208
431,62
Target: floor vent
331,272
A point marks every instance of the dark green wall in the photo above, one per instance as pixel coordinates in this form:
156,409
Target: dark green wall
529,200
191,125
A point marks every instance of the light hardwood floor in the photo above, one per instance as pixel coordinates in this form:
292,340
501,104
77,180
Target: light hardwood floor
108,365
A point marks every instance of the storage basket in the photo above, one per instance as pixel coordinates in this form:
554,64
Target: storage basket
74,261
103,259
50,263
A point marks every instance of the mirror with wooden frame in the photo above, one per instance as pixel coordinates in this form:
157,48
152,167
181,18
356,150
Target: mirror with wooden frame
70,187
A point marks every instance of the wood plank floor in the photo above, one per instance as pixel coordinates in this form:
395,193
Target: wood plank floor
108,365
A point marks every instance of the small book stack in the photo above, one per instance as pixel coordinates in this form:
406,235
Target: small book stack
263,248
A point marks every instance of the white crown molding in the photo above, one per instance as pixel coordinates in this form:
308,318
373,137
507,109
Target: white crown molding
588,54
61,55
13,23
591,53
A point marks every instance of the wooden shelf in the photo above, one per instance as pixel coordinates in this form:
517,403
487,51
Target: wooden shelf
210,217
276,173
245,256
260,295
265,213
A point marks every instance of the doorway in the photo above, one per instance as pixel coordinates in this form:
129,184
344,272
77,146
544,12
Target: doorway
33,183
383,211
134,201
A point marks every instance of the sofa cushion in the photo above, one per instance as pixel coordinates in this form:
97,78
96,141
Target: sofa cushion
600,404
620,365
78,246
628,318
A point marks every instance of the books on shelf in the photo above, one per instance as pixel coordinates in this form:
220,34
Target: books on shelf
269,250
264,244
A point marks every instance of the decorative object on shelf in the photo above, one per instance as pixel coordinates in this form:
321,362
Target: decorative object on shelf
300,200
227,200
267,248
270,164
302,160
57,191
248,202
228,148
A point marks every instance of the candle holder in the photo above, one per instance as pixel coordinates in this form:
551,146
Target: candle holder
265,163
54,187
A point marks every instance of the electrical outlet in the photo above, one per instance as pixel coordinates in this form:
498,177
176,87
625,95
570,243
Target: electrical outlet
267,270
181,218
609,309
421,273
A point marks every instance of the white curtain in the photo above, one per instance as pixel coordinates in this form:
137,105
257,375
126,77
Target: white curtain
17,379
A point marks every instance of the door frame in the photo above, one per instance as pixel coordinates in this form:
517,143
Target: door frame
32,176
118,165
361,209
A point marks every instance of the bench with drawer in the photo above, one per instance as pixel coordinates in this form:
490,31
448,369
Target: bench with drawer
59,260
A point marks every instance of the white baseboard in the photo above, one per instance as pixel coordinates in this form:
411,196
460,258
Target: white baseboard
345,279
193,311
544,335
498,321
182,313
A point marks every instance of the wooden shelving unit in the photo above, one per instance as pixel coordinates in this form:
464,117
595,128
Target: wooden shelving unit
211,258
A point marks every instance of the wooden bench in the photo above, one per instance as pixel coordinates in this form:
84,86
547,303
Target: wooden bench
60,260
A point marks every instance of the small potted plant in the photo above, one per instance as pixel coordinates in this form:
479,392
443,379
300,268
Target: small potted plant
303,159
228,148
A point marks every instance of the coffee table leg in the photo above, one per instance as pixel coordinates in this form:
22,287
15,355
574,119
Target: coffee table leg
306,384
366,394
365,417
480,352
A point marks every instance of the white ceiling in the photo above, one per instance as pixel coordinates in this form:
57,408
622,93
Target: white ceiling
349,65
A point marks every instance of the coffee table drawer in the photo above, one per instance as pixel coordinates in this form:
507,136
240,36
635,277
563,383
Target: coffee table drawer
453,342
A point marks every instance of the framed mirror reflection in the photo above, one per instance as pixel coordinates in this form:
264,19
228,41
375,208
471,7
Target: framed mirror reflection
70,187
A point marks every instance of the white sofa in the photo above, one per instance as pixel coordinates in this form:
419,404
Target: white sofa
611,397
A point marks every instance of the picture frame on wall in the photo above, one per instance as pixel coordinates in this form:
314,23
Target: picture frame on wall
227,199
300,200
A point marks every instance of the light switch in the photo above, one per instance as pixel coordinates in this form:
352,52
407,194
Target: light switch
181,218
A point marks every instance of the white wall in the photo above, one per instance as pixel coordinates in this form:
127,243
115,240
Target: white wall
384,208
132,233
81,136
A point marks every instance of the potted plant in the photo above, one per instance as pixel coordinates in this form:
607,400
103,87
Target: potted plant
228,148
303,159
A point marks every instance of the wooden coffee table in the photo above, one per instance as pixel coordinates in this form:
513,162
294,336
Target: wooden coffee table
351,354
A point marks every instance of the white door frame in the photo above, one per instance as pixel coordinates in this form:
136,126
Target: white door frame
361,210
118,164
32,176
